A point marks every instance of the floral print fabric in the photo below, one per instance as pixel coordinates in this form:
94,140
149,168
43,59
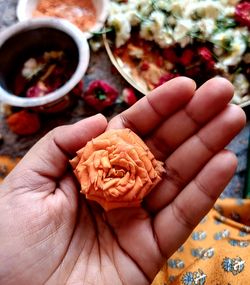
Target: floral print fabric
217,252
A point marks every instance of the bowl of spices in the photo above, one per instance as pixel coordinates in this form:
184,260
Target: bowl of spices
41,62
88,15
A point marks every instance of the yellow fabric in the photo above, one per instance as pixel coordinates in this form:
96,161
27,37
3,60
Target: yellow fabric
6,165
216,253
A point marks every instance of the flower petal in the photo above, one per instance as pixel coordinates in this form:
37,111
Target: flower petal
117,169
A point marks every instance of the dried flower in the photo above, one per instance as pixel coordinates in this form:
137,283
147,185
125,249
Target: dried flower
117,169
100,95
38,90
24,123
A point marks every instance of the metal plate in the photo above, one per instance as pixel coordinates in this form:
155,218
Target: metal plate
137,82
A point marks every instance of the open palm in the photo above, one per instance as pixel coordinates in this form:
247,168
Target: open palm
49,234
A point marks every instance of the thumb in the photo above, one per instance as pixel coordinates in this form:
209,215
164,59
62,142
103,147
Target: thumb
50,155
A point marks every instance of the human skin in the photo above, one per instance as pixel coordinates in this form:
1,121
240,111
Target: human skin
50,234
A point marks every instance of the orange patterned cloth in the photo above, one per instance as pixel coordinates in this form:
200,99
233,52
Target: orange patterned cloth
217,251
6,165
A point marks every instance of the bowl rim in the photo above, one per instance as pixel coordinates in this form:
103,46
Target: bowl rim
83,62
21,16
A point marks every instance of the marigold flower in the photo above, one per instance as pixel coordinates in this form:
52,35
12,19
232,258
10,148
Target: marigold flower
117,169
24,123
100,95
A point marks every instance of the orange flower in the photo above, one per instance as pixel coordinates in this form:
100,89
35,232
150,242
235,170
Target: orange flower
116,169
24,123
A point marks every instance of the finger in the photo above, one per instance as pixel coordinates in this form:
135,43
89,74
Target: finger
71,138
175,222
50,155
193,154
209,100
152,109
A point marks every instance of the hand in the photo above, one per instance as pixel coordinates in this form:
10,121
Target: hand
51,235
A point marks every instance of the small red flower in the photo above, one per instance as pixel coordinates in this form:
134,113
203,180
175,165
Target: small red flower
128,96
24,123
242,13
100,95
166,77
